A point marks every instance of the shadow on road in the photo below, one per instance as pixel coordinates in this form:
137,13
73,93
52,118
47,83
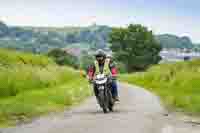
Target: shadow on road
100,112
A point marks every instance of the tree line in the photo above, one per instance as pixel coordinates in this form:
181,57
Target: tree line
134,48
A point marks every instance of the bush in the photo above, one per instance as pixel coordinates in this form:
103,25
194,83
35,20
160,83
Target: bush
63,58
121,67
85,61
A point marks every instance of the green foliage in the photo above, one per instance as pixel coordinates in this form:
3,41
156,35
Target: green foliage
33,103
21,71
20,78
36,86
177,84
63,58
121,67
86,60
135,46
196,48
11,57
40,40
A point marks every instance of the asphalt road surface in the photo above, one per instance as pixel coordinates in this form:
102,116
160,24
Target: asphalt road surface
139,111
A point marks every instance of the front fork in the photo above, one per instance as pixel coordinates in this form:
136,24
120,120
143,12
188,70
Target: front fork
103,96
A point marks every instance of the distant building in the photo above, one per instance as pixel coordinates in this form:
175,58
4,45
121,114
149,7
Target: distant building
175,55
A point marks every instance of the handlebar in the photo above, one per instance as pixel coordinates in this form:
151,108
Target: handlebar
110,77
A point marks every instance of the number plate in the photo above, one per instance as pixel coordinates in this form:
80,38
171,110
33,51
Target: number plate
101,87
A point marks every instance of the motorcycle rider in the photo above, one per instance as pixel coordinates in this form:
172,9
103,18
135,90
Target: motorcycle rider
104,65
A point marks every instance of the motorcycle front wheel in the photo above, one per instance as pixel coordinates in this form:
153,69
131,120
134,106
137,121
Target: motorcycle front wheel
103,101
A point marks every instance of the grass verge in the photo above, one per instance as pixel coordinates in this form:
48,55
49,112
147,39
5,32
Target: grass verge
33,85
30,104
177,84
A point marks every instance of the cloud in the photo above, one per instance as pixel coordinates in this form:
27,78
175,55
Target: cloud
161,16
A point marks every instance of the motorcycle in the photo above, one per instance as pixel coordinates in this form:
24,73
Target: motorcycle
104,98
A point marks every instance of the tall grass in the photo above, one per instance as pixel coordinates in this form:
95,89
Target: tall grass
177,84
31,85
19,78
11,57
22,71
30,104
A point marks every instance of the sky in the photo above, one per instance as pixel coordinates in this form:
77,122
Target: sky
179,17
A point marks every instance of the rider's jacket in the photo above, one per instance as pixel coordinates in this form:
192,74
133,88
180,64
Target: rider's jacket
107,67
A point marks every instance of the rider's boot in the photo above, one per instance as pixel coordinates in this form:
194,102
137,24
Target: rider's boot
116,98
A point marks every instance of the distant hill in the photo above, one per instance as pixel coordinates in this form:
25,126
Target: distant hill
3,29
42,39
173,41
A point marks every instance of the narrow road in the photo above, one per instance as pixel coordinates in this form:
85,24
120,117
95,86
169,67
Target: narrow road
139,111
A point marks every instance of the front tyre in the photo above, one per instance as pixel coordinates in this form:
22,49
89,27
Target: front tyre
103,101
111,101
110,107
105,110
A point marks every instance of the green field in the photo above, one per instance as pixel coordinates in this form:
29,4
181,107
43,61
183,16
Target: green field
32,85
177,84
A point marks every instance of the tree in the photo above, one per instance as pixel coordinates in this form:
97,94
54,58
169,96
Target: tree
121,67
63,58
135,46
86,60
